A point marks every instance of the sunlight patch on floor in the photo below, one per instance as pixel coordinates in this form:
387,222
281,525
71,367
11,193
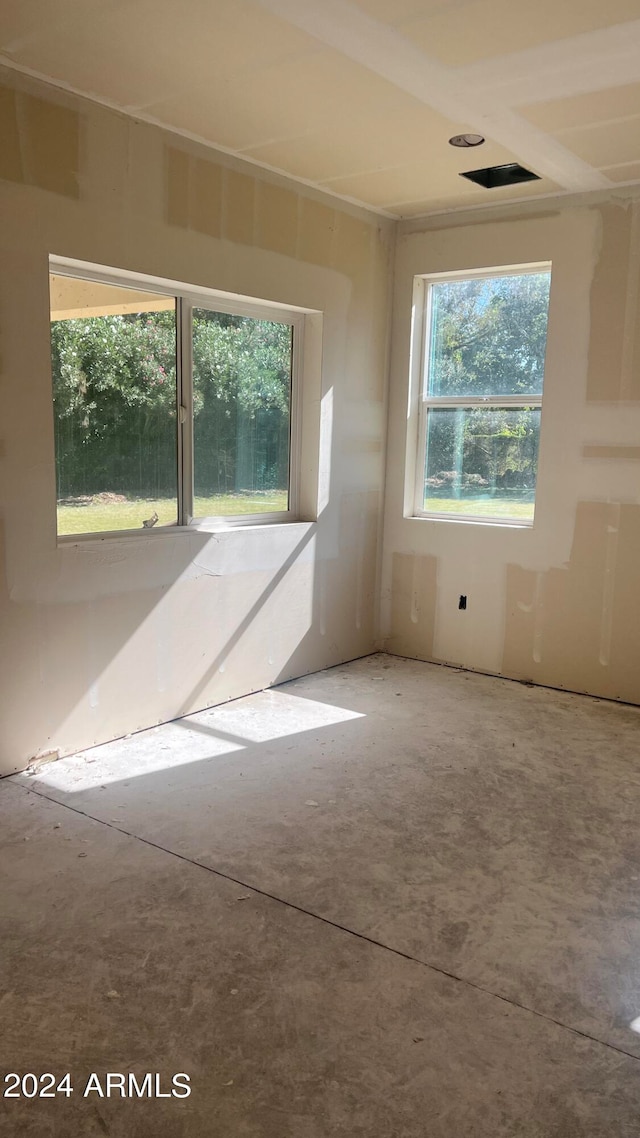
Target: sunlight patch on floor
206,735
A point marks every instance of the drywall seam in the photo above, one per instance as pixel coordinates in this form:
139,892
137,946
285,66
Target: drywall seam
197,618
609,583
516,209
618,453
388,53
538,618
590,61
383,602
240,160
630,332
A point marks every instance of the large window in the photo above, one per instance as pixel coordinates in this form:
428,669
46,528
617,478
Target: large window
482,373
169,406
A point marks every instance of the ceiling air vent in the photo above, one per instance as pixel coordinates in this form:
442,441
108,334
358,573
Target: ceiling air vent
493,176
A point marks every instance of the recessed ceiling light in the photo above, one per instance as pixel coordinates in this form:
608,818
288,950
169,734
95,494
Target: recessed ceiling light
466,140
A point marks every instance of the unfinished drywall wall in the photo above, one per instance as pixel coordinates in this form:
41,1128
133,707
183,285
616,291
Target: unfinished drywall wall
100,638
556,603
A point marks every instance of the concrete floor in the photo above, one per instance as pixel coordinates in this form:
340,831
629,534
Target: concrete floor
390,900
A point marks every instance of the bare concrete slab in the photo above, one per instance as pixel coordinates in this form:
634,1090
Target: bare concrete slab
482,835
119,957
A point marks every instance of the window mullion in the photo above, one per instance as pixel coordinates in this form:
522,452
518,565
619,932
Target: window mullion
495,401
185,413
295,417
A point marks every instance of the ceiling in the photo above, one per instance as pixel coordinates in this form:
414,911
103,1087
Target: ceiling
360,97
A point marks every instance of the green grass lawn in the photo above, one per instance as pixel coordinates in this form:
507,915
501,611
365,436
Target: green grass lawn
481,508
88,515
100,516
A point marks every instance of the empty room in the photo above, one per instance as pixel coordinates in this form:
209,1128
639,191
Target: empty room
319,569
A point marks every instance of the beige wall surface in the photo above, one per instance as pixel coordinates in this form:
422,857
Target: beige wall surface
557,603
100,638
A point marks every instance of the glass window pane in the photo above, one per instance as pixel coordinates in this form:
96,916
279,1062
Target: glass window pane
241,414
113,359
488,336
482,462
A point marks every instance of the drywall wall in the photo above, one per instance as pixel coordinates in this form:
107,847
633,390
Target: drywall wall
557,603
100,638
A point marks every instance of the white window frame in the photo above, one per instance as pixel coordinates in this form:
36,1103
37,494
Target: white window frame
420,376
188,297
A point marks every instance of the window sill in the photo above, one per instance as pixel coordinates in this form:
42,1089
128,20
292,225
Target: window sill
461,519
201,525
239,521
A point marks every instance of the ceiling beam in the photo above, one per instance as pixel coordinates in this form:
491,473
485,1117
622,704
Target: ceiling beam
385,51
593,61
